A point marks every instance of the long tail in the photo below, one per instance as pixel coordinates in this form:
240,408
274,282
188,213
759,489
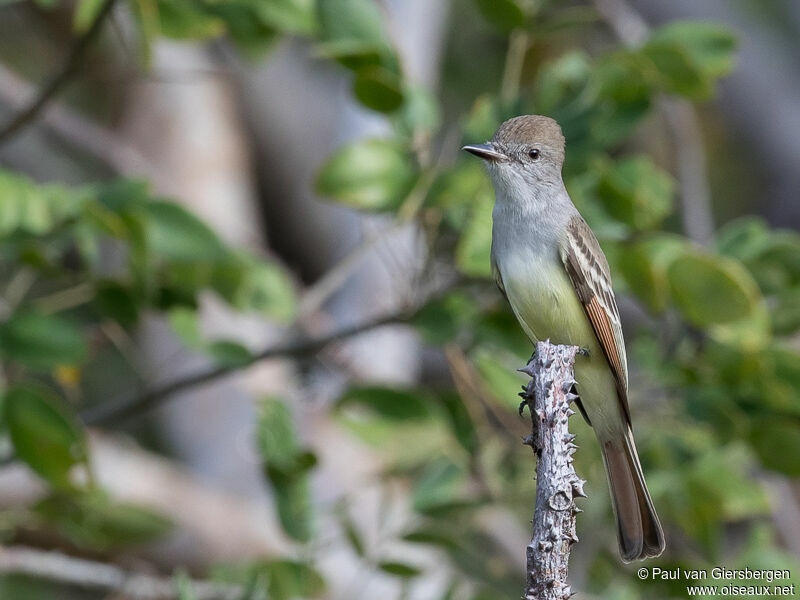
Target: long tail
639,531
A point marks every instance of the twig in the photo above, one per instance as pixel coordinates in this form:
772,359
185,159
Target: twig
60,78
518,43
557,485
97,141
684,128
98,576
107,413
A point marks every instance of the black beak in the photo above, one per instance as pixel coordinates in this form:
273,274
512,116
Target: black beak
485,151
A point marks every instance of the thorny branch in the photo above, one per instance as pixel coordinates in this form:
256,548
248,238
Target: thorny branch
548,396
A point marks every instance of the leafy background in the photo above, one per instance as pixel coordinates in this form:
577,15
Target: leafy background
248,331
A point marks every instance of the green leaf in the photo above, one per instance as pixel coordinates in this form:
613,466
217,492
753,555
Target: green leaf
41,341
36,209
473,253
187,20
744,238
786,312
85,13
373,175
441,320
711,289
458,190
420,112
116,302
92,520
398,569
690,56
389,403
644,265
290,580
227,353
45,433
636,192
257,285
175,234
185,324
440,484
379,89
287,467
289,16
777,443
503,14
352,22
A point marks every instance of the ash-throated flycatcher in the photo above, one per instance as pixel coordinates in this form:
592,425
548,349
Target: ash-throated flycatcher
547,262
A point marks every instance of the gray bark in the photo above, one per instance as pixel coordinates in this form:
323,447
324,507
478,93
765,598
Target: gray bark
549,394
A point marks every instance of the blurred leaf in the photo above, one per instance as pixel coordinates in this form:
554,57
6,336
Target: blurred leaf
85,13
636,192
291,16
184,584
351,532
369,175
41,341
186,325
460,421
503,14
399,569
379,89
690,56
744,238
440,320
389,403
250,31
289,580
186,19
457,190
440,483
777,443
227,353
175,234
483,119
561,80
264,287
645,280
286,467
36,209
712,289
474,247
420,112
358,26
92,520
45,433
116,302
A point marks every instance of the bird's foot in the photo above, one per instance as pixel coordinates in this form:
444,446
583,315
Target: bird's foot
527,395
583,352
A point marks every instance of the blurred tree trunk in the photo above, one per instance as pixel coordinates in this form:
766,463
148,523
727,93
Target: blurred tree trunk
191,129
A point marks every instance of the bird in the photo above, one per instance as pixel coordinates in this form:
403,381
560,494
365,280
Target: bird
550,267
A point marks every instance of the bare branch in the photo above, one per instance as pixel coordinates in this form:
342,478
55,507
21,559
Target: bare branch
108,413
59,79
683,125
557,485
98,576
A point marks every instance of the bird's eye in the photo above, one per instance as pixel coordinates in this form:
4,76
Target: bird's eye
533,153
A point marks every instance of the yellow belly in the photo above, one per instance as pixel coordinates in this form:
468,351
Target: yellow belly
547,307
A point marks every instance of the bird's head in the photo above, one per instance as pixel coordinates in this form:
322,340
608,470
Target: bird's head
524,150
